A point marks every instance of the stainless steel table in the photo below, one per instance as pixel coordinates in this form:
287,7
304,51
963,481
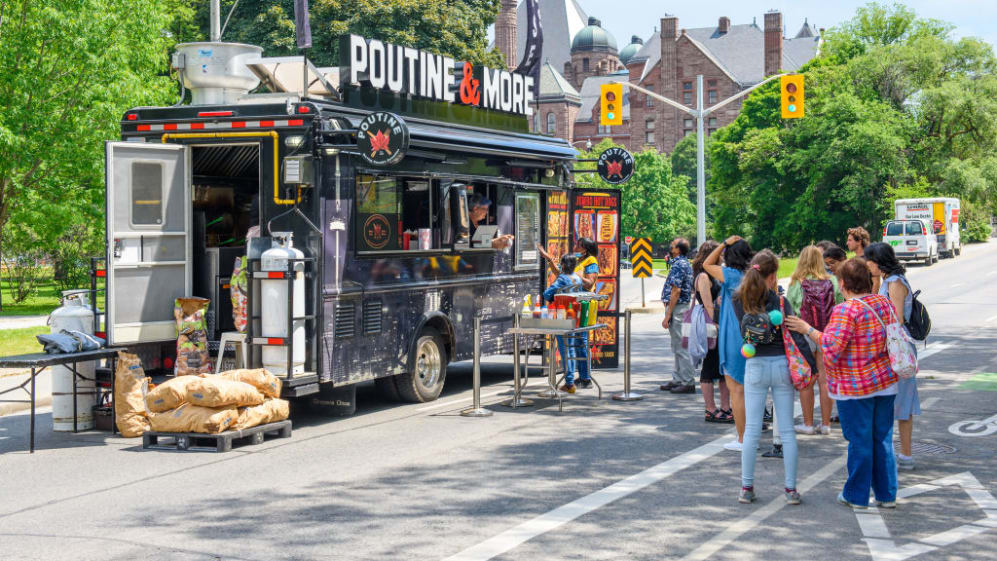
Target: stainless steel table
548,334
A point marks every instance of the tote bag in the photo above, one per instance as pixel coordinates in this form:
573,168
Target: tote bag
899,344
799,369
709,326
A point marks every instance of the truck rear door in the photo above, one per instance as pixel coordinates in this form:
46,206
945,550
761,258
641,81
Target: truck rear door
149,261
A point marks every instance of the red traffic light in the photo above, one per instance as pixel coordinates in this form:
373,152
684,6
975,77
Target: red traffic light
791,87
610,96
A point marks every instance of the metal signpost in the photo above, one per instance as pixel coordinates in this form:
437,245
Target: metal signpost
700,113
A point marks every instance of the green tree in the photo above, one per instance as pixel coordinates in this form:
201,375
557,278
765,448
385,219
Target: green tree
456,28
655,202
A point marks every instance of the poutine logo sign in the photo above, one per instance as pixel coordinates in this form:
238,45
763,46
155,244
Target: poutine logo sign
416,73
615,166
382,138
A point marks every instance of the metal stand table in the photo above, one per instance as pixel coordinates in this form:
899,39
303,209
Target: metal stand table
38,362
549,334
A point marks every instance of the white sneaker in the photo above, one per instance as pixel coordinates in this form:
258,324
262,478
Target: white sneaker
825,429
804,429
733,445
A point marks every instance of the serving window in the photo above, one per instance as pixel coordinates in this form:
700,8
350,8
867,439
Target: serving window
396,213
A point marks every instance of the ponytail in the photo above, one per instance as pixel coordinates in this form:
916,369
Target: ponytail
753,291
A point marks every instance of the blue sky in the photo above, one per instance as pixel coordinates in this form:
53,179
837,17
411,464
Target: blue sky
624,18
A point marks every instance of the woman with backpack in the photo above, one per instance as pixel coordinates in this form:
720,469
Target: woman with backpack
883,264
737,256
814,293
707,293
767,348
861,380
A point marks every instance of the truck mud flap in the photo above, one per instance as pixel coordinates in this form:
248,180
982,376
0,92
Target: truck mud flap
340,401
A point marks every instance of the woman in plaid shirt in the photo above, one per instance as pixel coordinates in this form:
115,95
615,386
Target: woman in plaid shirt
859,378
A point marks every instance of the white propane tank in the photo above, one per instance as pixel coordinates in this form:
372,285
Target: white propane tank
74,314
273,296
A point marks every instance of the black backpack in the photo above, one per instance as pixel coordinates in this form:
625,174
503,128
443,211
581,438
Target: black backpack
757,329
919,324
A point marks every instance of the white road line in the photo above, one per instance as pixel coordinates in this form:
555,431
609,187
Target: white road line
739,528
932,349
556,518
956,284
461,400
991,318
872,525
929,402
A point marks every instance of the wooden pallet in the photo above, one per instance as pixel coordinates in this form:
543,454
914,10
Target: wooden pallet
221,442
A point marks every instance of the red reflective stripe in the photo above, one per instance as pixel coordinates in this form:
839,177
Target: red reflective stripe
215,114
197,126
170,127
266,123
303,109
295,122
101,273
238,124
275,275
144,128
274,341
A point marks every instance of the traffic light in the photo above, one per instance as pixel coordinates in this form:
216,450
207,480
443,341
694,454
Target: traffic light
611,104
791,87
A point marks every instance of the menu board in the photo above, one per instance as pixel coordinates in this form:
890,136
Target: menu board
527,229
596,215
557,229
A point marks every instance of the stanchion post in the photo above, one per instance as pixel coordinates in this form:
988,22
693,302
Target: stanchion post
476,410
627,395
517,398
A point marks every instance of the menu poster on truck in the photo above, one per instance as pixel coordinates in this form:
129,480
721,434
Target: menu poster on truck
557,229
596,215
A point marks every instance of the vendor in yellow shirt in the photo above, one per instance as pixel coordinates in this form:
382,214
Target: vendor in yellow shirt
588,262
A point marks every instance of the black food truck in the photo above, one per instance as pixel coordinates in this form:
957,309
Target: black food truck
381,181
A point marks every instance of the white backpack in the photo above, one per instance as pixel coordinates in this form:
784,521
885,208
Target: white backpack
899,344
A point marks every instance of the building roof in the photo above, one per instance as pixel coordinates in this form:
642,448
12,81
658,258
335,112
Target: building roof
591,91
739,52
630,50
593,38
554,86
562,20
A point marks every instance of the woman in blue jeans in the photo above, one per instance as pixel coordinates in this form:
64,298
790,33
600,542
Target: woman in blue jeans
767,368
568,281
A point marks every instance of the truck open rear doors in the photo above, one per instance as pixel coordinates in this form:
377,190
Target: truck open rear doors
148,220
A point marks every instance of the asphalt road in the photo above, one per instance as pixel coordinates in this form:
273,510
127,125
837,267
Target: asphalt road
603,480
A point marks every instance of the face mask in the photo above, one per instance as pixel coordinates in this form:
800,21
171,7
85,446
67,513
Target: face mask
579,255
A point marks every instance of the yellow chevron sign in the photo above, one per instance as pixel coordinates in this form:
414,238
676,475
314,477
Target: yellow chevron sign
640,257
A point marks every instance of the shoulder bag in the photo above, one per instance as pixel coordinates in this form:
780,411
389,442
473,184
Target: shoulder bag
899,345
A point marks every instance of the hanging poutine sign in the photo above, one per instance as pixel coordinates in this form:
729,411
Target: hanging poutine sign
382,138
615,166
416,73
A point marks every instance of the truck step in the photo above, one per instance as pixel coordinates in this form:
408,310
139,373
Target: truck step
221,442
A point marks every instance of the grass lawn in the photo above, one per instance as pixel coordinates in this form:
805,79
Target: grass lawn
45,299
787,266
21,341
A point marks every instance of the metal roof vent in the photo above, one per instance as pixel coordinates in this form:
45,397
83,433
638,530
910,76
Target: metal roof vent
216,73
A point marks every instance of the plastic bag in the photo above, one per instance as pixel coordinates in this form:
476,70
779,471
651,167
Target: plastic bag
257,377
130,388
192,336
237,291
698,346
270,411
193,418
170,394
215,391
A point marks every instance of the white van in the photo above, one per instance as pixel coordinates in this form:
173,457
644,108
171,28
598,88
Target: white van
940,214
911,240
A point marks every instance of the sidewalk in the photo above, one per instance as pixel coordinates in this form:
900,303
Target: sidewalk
19,322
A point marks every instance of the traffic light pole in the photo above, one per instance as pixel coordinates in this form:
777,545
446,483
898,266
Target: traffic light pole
700,113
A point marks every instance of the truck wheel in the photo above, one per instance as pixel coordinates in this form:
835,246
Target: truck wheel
928,260
935,258
427,369
958,250
386,387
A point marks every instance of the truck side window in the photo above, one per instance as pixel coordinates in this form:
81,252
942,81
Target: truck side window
147,193
395,213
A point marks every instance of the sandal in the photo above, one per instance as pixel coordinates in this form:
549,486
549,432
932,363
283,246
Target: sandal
715,416
725,416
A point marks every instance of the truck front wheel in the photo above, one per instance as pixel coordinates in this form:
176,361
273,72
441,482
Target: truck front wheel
427,369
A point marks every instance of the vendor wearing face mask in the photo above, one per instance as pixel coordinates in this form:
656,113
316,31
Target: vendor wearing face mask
588,261
479,204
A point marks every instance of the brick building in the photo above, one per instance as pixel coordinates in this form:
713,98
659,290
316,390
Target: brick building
730,57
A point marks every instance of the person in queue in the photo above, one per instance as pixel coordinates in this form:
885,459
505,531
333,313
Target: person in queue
883,264
834,256
479,205
677,296
567,281
737,255
767,368
707,294
811,288
858,240
860,379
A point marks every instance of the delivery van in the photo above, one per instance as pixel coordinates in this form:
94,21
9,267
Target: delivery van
912,240
942,216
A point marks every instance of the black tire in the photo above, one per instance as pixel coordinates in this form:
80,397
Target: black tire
386,387
928,260
427,370
958,250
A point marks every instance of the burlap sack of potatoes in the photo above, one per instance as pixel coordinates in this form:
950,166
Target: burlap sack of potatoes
194,418
270,411
214,391
130,388
169,395
257,377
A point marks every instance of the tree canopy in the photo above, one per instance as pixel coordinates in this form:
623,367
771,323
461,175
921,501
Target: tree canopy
894,107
